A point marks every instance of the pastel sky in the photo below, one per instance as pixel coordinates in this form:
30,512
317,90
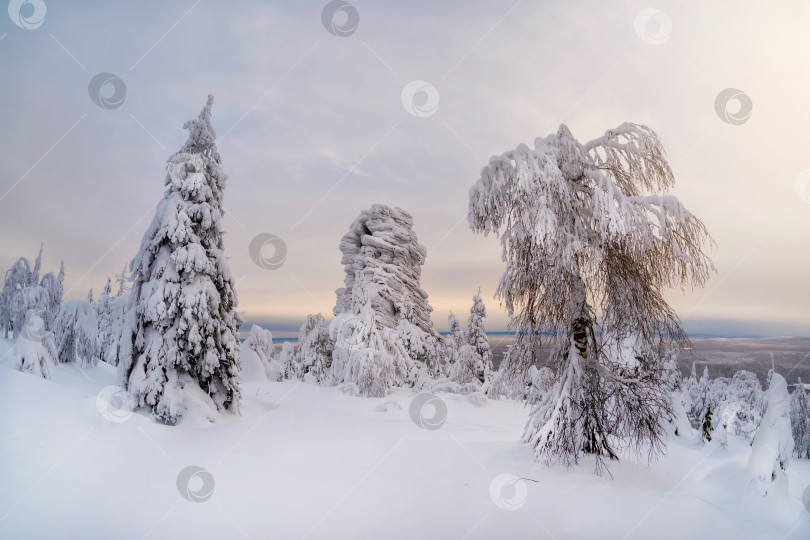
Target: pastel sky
312,129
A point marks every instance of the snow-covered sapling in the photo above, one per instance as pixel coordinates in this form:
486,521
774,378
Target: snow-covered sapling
34,349
289,361
452,344
743,405
477,338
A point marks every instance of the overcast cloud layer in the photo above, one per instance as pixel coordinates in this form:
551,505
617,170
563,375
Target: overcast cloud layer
312,129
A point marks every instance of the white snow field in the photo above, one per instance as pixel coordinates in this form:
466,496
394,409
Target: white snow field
310,462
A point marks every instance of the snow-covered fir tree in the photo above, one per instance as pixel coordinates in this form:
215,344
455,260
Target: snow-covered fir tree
468,367
743,406
34,277
699,392
800,421
54,285
424,348
314,350
76,333
34,349
723,406
113,329
471,355
718,396
585,232
462,366
477,338
678,423
452,344
690,384
23,291
289,361
104,315
113,322
706,413
669,363
181,345
17,278
772,447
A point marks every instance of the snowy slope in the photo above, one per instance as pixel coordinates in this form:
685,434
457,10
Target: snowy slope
310,462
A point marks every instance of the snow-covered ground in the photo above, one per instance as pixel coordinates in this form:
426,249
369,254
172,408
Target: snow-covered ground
309,462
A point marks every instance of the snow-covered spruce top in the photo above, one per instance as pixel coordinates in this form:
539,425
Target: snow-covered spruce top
382,247
184,321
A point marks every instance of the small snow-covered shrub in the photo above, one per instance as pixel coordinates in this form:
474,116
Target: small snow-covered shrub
452,344
34,348
743,405
542,381
511,380
263,364
35,297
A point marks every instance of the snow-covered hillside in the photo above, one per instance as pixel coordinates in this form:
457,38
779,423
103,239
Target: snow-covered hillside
309,462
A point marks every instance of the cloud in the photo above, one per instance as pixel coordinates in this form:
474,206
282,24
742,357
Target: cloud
315,124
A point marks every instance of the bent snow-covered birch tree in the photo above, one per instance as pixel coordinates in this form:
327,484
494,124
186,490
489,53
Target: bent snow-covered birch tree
590,241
